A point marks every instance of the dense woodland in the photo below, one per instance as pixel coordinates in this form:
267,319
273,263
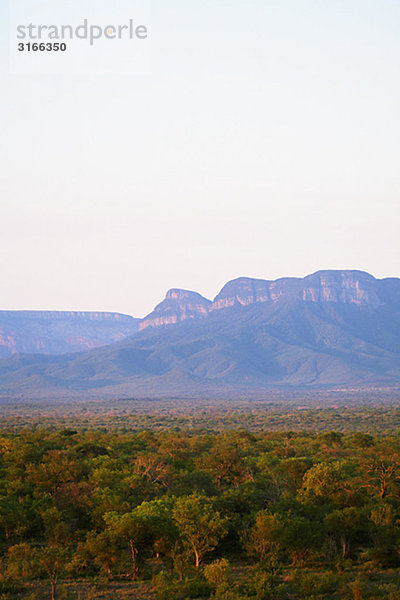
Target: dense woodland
88,511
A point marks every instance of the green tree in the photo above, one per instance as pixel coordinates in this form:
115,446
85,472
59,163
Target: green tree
264,539
225,463
139,529
201,527
347,526
51,560
326,482
101,549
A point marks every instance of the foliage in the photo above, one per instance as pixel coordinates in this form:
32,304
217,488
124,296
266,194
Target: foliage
227,514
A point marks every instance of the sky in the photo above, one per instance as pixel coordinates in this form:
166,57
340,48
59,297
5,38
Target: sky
262,139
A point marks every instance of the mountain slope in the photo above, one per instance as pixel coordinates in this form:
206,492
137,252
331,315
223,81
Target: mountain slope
58,332
329,329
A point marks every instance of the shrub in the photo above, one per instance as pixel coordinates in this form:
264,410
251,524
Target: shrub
217,573
263,581
315,585
225,593
7,586
196,588
358,589
165,587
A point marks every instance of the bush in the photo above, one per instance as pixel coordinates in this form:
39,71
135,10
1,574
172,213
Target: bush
162,585
7,586
217,573
165,587
225,593
196,588
264,580
315,585
383,557
358,589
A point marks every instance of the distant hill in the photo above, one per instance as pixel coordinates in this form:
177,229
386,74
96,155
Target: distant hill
332,329
58,332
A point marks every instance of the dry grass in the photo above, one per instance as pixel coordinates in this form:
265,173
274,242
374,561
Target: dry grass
83,590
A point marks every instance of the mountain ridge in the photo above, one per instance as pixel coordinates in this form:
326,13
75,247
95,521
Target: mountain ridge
328,330
61,332
325,285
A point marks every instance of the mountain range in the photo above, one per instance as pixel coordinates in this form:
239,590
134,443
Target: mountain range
332,329
60,332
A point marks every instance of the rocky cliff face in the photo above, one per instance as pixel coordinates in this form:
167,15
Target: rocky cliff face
60,332
346,287
242,291
349,287
177,306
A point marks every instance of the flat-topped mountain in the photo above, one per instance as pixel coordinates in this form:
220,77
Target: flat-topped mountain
60,332
345,287
332,329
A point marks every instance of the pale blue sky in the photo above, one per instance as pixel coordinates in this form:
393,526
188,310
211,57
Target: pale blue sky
264,141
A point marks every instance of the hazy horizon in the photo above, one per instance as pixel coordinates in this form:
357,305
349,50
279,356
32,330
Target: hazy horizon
262,142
